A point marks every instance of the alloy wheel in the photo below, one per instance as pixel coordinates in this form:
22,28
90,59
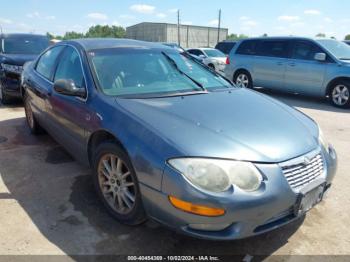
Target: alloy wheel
340,95
242,80
116,184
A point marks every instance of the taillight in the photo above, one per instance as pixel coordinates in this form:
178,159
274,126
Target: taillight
227,60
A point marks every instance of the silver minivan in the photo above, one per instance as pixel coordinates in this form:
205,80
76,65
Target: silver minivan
317,67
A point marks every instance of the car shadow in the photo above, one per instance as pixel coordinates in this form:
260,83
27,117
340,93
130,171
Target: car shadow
301,101
58,196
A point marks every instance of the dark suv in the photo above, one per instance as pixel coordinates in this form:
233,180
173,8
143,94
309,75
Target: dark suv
15,50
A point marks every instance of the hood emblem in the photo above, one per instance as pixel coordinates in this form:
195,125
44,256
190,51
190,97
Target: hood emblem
307,160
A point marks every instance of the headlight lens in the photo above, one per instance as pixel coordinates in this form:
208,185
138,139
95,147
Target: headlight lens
12,68
218,175
322,139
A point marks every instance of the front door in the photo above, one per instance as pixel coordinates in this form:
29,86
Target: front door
70,114
304,74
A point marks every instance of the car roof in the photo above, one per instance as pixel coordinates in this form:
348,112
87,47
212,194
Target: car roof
285,38
104,43
21,35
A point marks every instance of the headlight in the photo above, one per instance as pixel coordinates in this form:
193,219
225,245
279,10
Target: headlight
12,68
218,175
322,139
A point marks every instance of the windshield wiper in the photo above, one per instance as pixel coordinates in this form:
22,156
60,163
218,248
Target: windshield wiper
172,62
344,58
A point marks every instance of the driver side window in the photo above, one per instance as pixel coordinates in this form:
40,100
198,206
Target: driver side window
69,68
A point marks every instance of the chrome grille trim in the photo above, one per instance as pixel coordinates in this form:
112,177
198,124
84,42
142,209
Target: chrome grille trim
301,171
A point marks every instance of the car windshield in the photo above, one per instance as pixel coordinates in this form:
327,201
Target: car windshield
136,71
214,53
24,45
339,49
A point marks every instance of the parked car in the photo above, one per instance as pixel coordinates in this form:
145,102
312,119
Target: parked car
226,46
15,50
175,46
317,67
168,139
347,42
211,57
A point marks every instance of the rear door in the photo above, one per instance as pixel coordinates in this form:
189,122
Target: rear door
303,73
39,84
270,64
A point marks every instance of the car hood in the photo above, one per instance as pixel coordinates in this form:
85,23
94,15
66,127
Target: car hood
14,59
238,124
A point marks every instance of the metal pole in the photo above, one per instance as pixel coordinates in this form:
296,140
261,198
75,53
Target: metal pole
219,25
178,27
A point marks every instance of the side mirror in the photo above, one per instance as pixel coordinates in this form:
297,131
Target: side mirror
321,57
68,87
201,56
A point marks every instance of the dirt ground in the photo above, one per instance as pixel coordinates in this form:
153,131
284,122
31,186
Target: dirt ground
48,204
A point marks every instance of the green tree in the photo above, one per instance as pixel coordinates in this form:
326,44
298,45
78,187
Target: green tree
106,31
321,35
237,37
73,35
347,37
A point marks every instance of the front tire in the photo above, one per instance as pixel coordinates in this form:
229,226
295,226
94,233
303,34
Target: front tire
117,185
340,94
243,79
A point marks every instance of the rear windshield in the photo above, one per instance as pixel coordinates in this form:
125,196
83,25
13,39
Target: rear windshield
24,44
213,53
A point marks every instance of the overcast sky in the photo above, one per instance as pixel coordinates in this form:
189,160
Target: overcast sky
250,17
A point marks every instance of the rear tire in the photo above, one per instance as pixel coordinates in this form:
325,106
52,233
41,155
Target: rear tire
32,123
243,79
339,94
212,67
117,185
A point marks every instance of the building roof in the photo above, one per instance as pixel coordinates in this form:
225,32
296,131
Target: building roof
156,23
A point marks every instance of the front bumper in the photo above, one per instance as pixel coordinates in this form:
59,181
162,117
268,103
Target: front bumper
247,214
11,84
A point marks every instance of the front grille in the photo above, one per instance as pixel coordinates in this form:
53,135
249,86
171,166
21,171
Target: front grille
302,173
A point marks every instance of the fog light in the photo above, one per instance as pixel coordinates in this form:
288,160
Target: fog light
196,209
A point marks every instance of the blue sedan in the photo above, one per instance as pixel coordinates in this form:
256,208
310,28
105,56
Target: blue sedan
170,140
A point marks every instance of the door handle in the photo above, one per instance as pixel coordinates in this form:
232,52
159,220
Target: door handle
279,63
292,64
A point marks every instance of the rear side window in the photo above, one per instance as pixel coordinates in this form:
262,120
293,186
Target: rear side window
274,48
46,63
305,50
248,47
69,67
225,47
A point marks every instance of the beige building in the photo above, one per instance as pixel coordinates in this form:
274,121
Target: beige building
190,35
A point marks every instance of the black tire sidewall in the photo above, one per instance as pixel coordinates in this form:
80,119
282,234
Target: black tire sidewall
345,83
35,129
137,215
239,72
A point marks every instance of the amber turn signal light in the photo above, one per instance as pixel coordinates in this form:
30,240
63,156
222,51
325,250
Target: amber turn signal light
196,209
